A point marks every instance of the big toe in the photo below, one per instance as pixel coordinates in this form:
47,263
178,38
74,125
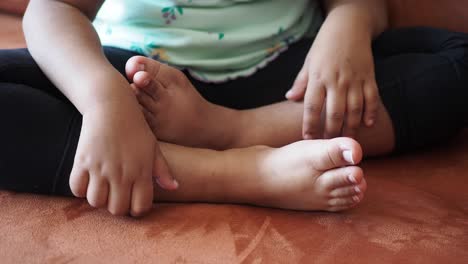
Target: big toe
142,64
337,152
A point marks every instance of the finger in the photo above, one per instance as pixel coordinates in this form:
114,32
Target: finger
79,179
298,89
335,110
142,196
371,102
354,110
119,198
162,173
98,192
313,105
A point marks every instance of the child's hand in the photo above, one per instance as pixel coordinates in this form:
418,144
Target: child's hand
337,77
116,159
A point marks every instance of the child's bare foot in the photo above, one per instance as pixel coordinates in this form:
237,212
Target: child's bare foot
306,175
174,109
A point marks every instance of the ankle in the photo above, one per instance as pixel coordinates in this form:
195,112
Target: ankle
244,171
225,127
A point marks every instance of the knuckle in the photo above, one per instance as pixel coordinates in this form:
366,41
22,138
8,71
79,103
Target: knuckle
301,79
302,75
353,125
372,98
311,131
355,110
335,116
118,179
312,108
344,82
316,77
81,160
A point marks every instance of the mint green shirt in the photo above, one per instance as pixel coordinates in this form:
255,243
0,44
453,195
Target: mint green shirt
215,40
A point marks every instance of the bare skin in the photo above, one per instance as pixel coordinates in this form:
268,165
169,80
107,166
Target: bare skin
118,155
178,114
306,175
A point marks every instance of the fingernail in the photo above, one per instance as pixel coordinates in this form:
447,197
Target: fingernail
348,156
168,185
141,67
352,179
356,189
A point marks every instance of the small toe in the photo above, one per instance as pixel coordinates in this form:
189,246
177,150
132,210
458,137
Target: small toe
345,191
341,178
146,101
144,82
344,202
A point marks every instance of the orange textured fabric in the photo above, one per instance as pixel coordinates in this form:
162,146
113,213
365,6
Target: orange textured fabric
415,211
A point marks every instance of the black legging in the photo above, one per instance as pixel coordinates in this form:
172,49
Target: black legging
422,76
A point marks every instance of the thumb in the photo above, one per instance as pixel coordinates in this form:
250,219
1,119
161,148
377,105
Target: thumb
162,173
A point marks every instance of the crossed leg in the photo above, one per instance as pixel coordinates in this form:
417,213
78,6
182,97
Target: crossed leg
305,175
178,114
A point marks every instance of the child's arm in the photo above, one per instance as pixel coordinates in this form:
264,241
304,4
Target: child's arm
338,73
114,160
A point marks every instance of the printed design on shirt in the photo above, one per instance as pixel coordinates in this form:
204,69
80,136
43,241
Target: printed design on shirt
283,43
219,35
169,13
137,49
158,53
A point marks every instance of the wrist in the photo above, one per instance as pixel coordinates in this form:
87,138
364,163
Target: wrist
105,89
368,16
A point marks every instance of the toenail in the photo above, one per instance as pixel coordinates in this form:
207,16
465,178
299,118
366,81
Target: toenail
141,67
352,179
356,198
357,190
348,156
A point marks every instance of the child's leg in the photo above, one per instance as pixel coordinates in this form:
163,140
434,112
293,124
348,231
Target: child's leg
178,114
306,175
18,67
417,40
410,86
39,137
424,90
